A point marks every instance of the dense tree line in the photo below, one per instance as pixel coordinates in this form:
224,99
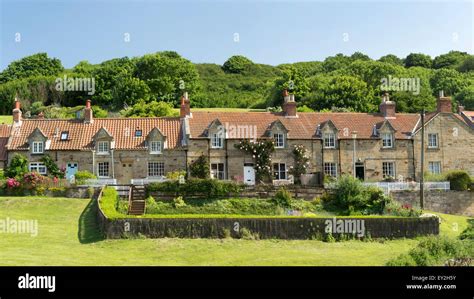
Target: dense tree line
152,84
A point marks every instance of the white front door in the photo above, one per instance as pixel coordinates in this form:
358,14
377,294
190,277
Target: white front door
249,175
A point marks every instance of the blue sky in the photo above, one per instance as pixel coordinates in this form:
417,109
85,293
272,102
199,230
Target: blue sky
270,32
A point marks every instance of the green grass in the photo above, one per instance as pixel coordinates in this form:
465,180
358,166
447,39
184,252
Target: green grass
6,119
68,235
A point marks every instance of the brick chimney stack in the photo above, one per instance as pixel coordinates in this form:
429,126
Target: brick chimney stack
289,104
88,117
387,107
17,119
444,103
185,109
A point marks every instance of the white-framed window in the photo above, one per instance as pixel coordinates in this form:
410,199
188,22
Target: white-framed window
217,140
432,140
329,140
434,167
279,140
37,147
330,169
38,167
388,169
103,147
103,169
156,169
387,140
279,171
218,171
155,147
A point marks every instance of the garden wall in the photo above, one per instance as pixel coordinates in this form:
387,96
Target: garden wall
266,228
449,202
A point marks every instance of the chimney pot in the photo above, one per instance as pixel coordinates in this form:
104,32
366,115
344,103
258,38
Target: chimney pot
88,115
185,109
444,103
289,106
387,107
17,113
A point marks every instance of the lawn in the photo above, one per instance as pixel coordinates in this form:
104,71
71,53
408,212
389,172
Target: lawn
6,119
68,236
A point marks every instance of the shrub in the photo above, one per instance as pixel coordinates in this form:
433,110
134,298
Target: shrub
12,184
351,197
83,176
468,233
246,234
301,163
459,180
433,251
52,167
174,175
178,202
18,167
396,209
32,180
200,168
283,198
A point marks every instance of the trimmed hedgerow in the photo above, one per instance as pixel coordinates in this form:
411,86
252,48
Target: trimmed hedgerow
109,203
208,188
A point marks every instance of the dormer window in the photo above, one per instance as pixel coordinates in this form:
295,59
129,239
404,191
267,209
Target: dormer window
217,140
64,135
103,147
329,140
279,140
155,147
387,140
37,147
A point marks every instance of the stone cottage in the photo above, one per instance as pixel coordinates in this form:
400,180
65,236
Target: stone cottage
370,146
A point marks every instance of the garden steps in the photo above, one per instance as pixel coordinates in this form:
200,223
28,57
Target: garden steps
137,203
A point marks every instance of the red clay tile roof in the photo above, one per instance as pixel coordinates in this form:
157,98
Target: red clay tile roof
4,134
80,134
304,127
469,114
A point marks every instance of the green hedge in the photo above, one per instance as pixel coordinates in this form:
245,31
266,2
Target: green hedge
109,202
459,180
208,188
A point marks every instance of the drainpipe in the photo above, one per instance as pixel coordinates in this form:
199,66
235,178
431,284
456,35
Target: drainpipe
322,164
186,162
113,166
93,163
226,168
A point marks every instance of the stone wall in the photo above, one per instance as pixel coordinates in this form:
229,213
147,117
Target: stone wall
449,202
265,228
